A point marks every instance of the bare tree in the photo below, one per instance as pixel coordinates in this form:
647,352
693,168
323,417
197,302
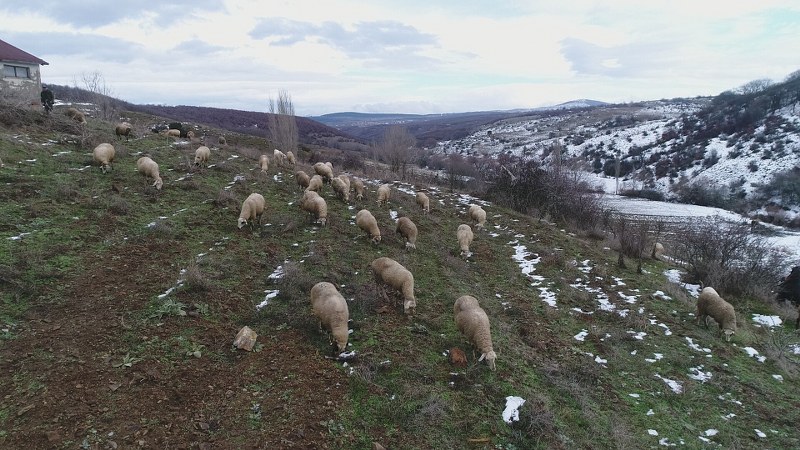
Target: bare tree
397,149
282,122
754,87
101,95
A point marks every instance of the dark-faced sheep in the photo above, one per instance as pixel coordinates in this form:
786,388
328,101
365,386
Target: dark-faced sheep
789,290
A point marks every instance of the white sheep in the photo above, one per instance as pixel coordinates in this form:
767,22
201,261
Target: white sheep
383,194
358,186
424,202
75,114
472,321
202,155
341,189
658,250
123,129
172,132
709,303
149,168
407,229
465,237
279,157
324,171
346,180
290,157
302,179
477,214
331,309
263,163
103,154
390,272
366,221
252,209
314,184
316,206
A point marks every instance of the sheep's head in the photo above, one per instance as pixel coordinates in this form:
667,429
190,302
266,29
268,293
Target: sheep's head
410,307
376,238
159,183
490,357
728,333
411,246
241,222
323,221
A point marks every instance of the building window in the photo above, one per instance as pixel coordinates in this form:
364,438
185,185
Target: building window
15,71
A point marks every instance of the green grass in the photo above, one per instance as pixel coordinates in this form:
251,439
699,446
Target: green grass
402,389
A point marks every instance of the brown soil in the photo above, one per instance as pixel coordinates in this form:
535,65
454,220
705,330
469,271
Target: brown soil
63,384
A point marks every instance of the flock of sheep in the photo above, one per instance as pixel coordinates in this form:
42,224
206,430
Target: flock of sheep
327,303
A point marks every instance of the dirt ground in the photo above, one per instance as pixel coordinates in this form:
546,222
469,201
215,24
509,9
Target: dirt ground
65,384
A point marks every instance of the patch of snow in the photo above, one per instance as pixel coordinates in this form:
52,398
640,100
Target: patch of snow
582,335
674,385
652,432
696,373
711,432
778,377
696,347
634,395
770,321
548,296
511,413
638,335
754,353
759,433
270,295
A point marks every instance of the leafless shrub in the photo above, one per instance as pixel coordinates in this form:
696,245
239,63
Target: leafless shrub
195,280
226,199
729,257
162,229
525,185
118,205
282,123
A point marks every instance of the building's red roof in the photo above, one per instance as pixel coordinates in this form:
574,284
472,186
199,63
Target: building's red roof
10,53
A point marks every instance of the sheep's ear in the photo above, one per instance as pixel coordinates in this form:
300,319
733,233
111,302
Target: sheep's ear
483,356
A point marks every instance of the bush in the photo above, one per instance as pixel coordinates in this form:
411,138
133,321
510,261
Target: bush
729,257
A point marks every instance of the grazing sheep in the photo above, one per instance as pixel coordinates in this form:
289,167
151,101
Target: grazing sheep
407,229
75,114
103,154
302,179
316,206
314,184
366,221
252,209
290,157
473,323
279,157
383,194
330,166
658,251
340,188
358,186
477,214
263,163
221,140
172,132
149,168
465,237
424,202
789,290
331,309
709,303
346,180
323,170
190,134
390,272
202,155
123,129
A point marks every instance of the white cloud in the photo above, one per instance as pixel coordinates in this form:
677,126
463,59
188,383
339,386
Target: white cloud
419,57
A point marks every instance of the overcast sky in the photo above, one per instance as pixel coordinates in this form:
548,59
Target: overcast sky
409,56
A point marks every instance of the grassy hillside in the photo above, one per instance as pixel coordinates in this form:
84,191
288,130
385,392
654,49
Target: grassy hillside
119,305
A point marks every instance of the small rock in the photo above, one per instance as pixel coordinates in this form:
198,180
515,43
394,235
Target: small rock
457,357
376,446
24,409
245,339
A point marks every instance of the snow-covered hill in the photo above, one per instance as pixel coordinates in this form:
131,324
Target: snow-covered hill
663,146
